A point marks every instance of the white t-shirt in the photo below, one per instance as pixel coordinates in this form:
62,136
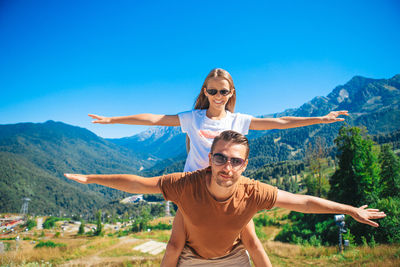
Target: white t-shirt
202,131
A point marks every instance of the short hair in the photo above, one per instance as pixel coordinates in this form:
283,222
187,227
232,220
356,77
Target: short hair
232,137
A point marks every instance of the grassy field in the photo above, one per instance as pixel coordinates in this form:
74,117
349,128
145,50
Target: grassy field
111,250
283,254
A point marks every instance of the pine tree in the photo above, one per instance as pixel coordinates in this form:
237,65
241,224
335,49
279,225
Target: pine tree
390,172
81,230
356,181
286,183
99,227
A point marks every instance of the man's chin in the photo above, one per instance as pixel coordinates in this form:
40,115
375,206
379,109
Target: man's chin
224,182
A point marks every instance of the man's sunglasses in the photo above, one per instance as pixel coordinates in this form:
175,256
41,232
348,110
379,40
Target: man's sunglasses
220,159
223,92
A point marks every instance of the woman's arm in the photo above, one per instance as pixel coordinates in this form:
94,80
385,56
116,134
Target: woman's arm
187,144
124,182
139,119
293,122
310,204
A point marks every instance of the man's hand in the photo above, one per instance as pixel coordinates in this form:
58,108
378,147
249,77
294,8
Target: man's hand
364,215
333,116
311,204
80,178
100,119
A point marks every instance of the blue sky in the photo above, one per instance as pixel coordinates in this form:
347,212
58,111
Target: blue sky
60,60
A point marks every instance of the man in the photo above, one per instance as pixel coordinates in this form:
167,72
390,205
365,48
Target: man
217,202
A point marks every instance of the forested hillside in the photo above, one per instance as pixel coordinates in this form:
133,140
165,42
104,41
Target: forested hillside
33,158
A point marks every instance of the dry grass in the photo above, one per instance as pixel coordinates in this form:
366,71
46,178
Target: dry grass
282,254
159,235
283,250
75,248
166,220
113,251
26,253
106,251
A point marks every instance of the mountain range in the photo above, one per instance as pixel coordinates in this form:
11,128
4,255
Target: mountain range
372,103
33,156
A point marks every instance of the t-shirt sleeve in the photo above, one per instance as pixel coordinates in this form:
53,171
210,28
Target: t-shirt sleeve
185,119
172,186
242,123
267,196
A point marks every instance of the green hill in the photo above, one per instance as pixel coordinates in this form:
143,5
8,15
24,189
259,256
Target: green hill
33,158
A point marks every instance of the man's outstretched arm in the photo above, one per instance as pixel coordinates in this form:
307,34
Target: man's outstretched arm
310,204
124,182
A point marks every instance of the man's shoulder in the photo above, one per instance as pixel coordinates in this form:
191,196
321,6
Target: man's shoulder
249,184
263,194
187,176
197,175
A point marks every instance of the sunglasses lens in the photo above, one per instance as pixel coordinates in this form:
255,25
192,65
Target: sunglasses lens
212,91
236,162
219,159
224,92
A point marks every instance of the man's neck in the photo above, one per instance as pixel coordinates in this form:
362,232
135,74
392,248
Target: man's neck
219,193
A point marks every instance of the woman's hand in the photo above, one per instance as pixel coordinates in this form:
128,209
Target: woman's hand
100,119
364,215
333,116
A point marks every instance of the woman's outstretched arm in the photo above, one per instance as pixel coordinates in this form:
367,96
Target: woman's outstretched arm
139,119
293,122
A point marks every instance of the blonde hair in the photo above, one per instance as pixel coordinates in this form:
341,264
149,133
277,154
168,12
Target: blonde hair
202,100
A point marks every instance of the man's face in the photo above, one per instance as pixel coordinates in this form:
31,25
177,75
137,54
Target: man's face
227,174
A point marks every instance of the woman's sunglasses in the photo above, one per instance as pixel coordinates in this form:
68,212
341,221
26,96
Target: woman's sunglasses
220,159
223,92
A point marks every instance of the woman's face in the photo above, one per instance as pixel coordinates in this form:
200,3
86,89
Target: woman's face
218,101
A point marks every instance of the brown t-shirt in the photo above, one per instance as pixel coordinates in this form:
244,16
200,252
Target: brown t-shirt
213,227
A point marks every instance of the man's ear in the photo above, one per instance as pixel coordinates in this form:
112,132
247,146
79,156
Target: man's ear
245,164
209,158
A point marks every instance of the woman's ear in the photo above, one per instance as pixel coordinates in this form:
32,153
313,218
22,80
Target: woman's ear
205,91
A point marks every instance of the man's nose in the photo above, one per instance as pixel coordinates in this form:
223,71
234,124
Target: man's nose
228,166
